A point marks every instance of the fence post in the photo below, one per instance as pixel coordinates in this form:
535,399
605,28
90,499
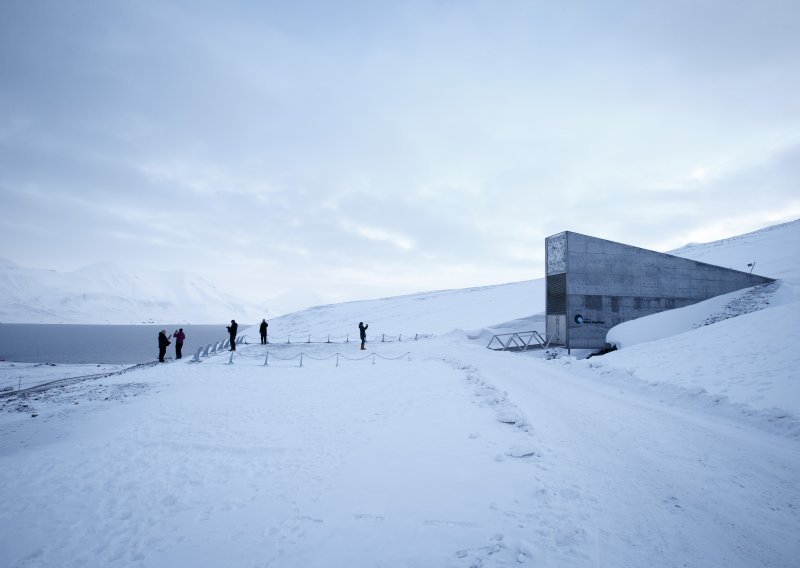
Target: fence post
383,337
373,358
289,340
329,338
266,360
309,338
348,338
401,338
337,359
301,359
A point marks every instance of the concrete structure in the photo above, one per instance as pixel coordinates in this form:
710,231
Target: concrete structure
594,284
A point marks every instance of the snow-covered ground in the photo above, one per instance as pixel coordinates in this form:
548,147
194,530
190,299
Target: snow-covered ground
682,450
20,376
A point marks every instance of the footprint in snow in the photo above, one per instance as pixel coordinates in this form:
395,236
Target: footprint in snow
510,415
522,451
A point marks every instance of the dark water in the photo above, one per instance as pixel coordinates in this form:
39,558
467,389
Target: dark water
116,344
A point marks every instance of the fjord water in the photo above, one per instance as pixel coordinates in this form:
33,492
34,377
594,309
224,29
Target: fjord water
113,344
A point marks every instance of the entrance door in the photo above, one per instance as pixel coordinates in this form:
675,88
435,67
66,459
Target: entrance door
557,329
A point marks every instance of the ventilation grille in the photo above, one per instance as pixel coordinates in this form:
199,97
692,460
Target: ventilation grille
557,294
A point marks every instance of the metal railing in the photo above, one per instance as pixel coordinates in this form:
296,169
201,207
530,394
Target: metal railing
518,341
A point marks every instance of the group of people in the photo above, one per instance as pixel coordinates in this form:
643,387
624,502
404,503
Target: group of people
233,328
163,342
180,336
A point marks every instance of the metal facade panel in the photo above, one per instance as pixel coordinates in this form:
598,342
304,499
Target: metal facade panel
556,286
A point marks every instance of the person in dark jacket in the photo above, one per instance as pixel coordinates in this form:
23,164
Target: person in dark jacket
179,337
263,329
163,341
362,330
232,329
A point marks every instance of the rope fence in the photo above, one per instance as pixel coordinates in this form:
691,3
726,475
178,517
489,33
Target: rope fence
220,346
301,357
337,356
310,338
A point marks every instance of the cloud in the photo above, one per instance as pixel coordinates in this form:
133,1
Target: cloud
376,234
425,145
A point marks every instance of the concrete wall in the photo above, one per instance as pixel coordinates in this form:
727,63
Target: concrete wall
608,283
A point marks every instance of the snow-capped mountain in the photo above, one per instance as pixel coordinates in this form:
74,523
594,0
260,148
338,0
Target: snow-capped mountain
107,292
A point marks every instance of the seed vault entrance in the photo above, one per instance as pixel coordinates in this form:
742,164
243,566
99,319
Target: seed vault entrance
594,284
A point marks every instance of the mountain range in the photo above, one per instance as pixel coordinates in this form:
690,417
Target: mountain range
109,293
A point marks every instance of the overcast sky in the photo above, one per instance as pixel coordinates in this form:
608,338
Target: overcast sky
349,150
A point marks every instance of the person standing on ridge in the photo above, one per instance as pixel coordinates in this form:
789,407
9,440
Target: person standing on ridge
362,330
162,345
179,337
263,329
232,329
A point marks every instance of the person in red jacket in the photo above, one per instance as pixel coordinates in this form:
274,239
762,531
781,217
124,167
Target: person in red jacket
179,337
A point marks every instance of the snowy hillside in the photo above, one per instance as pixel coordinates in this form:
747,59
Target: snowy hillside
680,449
424,313
108,293
773,250
520,306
